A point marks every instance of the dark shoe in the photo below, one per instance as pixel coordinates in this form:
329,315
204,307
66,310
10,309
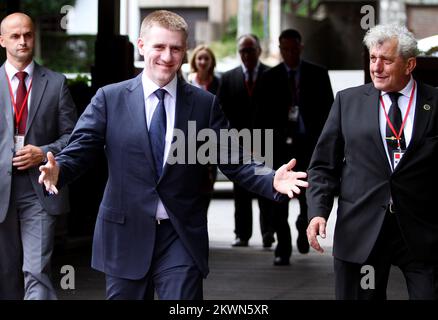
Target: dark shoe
280,261
240,243
302,242
268,240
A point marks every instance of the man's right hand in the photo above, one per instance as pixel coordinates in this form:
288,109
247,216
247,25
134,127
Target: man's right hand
49,174
316,227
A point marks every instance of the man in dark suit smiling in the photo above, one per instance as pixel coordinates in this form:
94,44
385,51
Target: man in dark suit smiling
151,230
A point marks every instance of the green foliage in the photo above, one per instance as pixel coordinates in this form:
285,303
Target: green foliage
81,79
227,46
302,8
224,48
67,53
432,52
231,29
257,21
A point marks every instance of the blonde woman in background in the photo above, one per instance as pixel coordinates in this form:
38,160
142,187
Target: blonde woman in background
202,64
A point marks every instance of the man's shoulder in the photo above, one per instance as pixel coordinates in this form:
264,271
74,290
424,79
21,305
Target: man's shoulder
275,72
122,85
195,91
427,88
312,66
358,90
230,73
49,73
263,67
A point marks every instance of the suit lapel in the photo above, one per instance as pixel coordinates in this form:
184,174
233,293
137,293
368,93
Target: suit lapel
39,83
422,115
183,110
371,103
423,111
5,102
239,79
184,105
135,102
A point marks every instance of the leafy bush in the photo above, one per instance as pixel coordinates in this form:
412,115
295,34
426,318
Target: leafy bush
67,53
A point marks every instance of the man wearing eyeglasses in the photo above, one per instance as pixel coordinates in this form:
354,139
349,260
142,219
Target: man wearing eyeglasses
236,93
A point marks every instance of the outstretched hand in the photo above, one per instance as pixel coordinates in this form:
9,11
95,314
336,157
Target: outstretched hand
49,174
287,181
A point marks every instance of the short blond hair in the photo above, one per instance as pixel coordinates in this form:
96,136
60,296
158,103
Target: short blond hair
166,19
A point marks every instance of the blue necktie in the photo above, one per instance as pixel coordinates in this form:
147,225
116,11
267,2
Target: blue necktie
157,132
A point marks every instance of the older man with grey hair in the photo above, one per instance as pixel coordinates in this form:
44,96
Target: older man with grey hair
379,147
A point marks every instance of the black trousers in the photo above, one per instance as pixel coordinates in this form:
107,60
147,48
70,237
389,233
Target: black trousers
243,213
368,281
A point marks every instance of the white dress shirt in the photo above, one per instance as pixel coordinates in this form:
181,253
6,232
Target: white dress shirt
151,102
11,71
254,72
403,102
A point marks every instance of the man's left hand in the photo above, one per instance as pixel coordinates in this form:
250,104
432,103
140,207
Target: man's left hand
287,181
27,157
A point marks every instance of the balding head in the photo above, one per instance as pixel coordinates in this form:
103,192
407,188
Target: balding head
18,38
249,50
14,18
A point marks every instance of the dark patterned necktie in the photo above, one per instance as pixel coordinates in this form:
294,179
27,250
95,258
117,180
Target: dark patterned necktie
395,116
21,95
157,131
250,82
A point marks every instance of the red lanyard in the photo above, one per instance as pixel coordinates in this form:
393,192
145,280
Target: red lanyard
18,115
399,134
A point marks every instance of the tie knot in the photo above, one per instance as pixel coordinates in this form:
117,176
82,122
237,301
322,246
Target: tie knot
394,96
160,94
21,75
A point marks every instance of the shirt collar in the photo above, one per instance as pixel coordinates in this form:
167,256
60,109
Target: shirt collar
11,70
255,71
406,91
150,87
288,69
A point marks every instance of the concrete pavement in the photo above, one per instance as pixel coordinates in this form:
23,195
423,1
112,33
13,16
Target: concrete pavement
235,273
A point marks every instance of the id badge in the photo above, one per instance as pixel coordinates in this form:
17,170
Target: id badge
293,113
396,157
18,142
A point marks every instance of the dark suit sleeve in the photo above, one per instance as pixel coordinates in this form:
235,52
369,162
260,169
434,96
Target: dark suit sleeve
67,117
326,164
87,139
252,176
326,97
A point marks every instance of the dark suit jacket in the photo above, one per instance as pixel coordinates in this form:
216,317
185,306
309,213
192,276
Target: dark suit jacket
125,228
273,101
350,154
52,116
237,105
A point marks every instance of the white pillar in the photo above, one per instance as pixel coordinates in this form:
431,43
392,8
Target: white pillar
244,17
274,27
392,11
